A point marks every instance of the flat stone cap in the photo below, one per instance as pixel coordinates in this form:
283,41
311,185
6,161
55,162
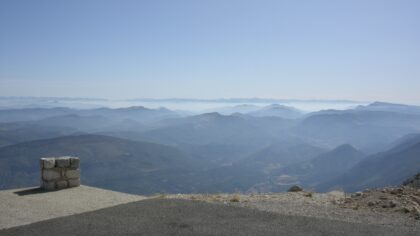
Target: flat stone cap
60,162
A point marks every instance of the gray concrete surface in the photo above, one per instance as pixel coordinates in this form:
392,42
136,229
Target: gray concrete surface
185,217
28,205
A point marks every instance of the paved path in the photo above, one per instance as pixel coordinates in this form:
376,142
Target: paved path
184,217
29,205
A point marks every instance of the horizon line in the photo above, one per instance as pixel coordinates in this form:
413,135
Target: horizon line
189,99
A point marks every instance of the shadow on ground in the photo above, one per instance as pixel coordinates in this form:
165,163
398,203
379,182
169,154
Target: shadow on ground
30,191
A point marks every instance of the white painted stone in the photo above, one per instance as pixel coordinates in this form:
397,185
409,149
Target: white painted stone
72,174
61,184
62,162
74,183
48,162
74,162
51,174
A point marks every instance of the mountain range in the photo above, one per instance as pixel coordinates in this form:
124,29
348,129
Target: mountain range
386,168
159,150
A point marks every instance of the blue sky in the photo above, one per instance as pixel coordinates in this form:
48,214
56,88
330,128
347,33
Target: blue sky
359,50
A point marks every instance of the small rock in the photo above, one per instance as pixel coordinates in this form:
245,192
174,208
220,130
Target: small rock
370,203
308,194
235,198
392,204
405,210
383,198
396,191
348,200
416,199
295,188
415,211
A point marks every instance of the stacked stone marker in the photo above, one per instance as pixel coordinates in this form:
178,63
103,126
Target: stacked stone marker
60,172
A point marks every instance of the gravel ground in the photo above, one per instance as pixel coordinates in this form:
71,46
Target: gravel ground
321,206
25,206
400,200
186,217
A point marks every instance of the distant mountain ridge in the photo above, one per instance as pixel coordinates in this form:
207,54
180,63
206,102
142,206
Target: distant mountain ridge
278,111
283,154
211,128
137,112
106,162
12,133
325,166
273,110
367,130
391,107
387,168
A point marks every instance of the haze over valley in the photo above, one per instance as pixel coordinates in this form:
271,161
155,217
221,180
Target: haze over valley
241,148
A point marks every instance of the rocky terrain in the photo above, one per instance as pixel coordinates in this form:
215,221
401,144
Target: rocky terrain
396,206
402,200
413,182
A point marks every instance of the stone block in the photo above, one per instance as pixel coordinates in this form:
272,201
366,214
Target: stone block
51,174
62,162
61,184
59,173
48,185
74,162
74,182
47,162
72,174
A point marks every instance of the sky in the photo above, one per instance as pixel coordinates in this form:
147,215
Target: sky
365,50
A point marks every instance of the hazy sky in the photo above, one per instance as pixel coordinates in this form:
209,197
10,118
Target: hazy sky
361,50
